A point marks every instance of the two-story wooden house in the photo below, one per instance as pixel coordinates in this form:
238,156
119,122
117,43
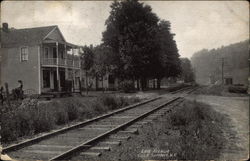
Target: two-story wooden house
41,58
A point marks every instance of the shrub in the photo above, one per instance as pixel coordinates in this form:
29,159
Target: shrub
9,129
33,117
237,89
188,115
200,130
109,101
44,119
127,86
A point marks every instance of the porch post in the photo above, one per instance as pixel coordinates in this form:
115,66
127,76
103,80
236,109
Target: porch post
66,68
80,64
65,54
39,68
73,69
57,68
80,71
66,61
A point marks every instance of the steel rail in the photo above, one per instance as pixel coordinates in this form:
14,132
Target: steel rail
84,123
180,90
90,142
192,90
65,129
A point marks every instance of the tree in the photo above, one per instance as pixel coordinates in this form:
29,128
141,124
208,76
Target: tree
208,63
166,63
103,60
187,73
131,34
87,60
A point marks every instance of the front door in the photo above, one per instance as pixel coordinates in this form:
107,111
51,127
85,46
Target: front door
46,79
62,80
55,81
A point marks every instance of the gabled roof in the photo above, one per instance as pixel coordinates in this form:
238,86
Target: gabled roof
25,36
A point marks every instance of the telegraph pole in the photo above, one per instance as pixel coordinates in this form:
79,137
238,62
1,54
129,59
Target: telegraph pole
222,71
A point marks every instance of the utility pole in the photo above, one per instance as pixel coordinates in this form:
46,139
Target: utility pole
222,71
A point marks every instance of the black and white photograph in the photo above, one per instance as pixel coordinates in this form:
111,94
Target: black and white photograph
124,80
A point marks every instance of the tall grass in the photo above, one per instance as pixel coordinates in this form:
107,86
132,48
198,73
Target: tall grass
33,117
200,130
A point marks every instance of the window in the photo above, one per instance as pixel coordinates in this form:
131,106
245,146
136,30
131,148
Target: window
46,52
54,53
24,54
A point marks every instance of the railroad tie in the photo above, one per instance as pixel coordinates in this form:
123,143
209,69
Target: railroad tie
104,126
120,137
141,122
112,142
121,117
133,131
158,114
93,154
147,120
48,147
136,126
86,146
95,128
41,152
104,148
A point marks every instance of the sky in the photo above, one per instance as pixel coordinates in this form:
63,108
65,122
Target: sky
197,24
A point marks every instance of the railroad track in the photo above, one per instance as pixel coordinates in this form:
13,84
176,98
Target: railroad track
89,136
183,90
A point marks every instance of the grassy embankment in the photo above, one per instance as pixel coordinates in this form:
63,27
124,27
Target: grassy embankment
200,128
191,131
219,90
33,117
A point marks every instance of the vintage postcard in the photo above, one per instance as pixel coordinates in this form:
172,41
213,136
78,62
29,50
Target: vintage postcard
124,80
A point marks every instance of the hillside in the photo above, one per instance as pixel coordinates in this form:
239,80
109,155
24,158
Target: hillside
207,64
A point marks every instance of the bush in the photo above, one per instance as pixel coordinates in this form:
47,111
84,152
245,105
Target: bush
237,89
44,119
32,117
127,86
200,130
109,101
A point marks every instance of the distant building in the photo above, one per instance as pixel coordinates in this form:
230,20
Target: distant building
107,82
236,76
41,58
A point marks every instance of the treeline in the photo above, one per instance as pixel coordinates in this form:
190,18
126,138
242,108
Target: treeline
209,62
136,46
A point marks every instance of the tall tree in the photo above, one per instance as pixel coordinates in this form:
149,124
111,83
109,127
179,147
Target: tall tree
187,72
131,33
87,60
103,60
166,62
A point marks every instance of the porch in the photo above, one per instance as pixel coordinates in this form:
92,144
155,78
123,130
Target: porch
61,62
66,80
60,54
60,67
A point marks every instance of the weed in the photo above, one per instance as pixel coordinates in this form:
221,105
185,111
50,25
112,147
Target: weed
32,117
200,129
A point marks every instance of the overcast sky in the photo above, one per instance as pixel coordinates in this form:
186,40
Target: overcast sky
197,25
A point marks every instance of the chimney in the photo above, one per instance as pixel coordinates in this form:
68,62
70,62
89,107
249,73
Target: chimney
5,27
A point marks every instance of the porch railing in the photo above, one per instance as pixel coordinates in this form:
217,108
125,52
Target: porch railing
49,61
61,62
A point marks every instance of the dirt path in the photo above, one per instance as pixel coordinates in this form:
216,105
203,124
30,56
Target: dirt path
237,110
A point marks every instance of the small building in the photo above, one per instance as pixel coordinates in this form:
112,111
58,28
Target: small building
236,76
41,58
107,82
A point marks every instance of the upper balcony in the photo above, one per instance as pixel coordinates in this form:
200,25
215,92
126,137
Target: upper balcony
60,62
